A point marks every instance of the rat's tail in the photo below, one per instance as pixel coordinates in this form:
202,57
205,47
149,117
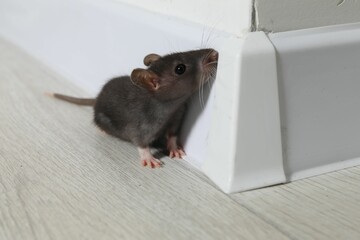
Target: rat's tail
78,101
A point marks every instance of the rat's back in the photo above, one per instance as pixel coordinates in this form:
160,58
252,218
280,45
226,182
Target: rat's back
118,104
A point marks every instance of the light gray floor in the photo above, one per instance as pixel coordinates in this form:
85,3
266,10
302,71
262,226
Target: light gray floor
60,178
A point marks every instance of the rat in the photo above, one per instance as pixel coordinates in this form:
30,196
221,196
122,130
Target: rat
147,107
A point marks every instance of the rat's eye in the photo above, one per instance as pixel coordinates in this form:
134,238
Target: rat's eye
180,69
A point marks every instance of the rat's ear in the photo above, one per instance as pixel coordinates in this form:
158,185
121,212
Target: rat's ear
145,79
150,58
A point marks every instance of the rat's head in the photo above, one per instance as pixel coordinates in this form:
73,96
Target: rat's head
176,75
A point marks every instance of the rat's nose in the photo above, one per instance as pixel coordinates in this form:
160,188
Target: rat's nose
212,57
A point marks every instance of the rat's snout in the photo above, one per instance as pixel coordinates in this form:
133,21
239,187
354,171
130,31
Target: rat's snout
212,57
209,65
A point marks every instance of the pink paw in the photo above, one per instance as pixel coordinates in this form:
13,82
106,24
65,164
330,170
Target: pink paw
177,153
152,162
148,159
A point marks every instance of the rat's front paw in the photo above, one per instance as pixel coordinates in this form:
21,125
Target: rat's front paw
152,162
148,159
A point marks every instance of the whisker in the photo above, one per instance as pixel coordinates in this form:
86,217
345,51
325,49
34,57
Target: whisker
211,76
210,83
202,38
201,91
209,63
210,34
200,99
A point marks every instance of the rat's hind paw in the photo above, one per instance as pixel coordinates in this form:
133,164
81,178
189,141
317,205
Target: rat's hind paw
177,153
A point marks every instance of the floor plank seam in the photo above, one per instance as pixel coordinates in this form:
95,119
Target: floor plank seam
263,217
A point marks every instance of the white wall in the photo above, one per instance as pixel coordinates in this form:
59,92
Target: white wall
284,15
232,16
235,16
90,41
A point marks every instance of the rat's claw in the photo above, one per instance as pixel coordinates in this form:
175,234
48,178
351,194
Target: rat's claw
152,162
155,163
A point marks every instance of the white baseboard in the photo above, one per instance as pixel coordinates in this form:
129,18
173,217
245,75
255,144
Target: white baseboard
318,74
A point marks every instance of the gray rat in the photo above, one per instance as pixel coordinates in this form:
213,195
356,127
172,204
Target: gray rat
148,107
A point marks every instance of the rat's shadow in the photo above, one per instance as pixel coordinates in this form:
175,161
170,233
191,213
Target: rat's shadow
160,153
196,106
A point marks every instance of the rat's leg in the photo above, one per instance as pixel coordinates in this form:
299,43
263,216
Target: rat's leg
148,159
175,150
